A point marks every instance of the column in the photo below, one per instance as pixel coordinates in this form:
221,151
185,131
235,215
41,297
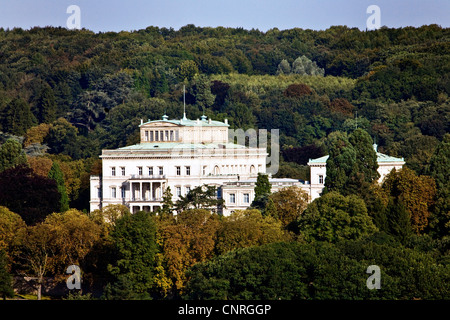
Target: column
151,191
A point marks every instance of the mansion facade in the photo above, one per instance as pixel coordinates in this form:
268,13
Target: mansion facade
183,154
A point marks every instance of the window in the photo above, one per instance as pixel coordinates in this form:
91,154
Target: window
177,137
188,189
146,136
161,171
151,136
113,171
188,171
171,135
204,170
321,179
99,192
140,171
122,191
123,170
178,189
232,198
156,136
113,192
150,171
178,171
246,198
166,137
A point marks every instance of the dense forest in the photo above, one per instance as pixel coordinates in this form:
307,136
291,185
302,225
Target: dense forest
67,94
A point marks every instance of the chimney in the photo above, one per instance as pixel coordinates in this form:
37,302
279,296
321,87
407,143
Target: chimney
142,122
226,121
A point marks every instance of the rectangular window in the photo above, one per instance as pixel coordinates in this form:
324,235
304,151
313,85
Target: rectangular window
99,192
156,135
178,171
161,135
151,135
188,189
122,191
204,170
232,198
150,171
177,135
166,137
123,170
140,171
321,179
113,192
246,198
171,135
178,189
161,171
146,135
188,171
113,171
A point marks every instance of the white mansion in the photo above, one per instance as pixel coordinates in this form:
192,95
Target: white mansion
183,154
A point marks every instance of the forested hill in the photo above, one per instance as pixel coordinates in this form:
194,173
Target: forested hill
68,94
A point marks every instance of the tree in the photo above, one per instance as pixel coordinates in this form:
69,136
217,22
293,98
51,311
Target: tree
11,155
284,67
74,236
46,106
290,202
398,220
16,117
6,288
187,240
245,228
262,192
201,197
304,66
340,162
12,231
417,193
35,255
439,169
365,169
31,196
134,238
334,217
187,70
56,174
62,138
168,206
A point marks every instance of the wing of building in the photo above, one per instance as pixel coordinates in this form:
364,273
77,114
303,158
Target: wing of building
183,154
318,171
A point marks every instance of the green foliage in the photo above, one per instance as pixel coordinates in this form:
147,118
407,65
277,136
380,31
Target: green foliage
334,217
56,174
320,271
11,155
6,280
134,238
262,192
201,197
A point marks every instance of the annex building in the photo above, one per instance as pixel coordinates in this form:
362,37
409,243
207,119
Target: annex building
183,154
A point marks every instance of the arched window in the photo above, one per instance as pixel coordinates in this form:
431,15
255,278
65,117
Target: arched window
216,170
252,169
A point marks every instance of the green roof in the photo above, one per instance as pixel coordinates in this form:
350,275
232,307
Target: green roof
380,158
178,145
191,123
